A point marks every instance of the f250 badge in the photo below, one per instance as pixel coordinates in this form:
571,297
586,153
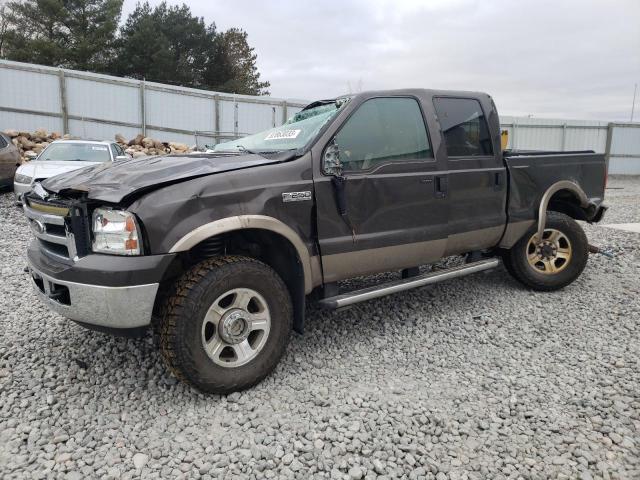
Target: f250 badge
296,196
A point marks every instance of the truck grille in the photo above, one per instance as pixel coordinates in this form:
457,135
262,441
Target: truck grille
50,225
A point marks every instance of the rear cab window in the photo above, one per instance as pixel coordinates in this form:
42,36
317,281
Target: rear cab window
464,127
382,131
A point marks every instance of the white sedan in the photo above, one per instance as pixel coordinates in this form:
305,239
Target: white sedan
63,156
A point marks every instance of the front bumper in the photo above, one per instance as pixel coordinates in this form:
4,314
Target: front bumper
110,307
99,290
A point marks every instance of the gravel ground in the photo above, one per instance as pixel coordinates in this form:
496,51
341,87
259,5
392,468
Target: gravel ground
477,378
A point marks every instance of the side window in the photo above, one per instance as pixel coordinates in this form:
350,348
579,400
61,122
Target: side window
464,127
383,130
116,150
3,142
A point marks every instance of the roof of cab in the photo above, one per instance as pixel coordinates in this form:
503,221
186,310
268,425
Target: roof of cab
418,91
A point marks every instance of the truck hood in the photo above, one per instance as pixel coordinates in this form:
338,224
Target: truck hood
49,168
113,182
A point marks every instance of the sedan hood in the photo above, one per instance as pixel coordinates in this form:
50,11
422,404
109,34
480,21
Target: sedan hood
113,182
49,168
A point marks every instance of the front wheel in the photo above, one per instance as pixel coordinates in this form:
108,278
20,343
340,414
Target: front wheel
227,324
555,260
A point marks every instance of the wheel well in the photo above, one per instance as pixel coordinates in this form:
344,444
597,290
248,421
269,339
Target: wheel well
266,246
567,202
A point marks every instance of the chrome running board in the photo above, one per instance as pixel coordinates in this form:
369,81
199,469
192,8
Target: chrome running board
376,291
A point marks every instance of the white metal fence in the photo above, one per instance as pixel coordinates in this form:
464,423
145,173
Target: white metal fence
90,105
619,141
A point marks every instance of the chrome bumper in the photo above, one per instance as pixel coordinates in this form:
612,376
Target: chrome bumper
112,307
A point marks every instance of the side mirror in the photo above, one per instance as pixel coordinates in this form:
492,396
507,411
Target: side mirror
119,158
30,155
331,163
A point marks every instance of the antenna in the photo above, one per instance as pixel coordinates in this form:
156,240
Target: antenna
633,104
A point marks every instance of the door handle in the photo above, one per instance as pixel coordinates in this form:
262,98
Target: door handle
441,186
497,181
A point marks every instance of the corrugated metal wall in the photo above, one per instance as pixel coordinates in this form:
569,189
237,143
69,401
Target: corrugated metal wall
554,134
621,141
99,106
625,149
28,91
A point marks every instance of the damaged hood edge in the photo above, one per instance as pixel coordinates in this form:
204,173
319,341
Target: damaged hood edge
114,182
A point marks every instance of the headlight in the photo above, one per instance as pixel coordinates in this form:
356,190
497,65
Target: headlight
115,232
20,178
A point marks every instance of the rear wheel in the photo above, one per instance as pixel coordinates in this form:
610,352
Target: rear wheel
227,324
553,261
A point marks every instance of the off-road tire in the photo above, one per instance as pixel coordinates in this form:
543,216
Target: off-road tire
180,326
515,259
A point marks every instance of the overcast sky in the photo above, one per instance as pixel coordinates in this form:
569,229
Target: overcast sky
563,59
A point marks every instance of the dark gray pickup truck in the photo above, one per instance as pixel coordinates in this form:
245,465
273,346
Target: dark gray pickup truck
220,252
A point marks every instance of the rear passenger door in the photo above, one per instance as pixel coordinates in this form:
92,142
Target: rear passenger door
477,177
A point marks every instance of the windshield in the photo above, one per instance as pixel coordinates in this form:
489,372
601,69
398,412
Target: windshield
292,135
78,152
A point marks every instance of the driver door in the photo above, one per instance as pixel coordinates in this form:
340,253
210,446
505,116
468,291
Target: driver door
395,198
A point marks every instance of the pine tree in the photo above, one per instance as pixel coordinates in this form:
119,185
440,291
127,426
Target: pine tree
76,34
170,45
166,44
163,44
231,65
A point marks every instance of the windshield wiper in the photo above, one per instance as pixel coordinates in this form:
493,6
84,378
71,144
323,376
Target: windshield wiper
243,149
263,152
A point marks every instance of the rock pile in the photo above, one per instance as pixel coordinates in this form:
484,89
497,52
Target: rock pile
141,146
31,144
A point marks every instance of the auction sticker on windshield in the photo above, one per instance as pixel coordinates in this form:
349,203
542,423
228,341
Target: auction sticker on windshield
283,134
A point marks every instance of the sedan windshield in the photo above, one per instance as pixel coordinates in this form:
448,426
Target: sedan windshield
78,152
292,135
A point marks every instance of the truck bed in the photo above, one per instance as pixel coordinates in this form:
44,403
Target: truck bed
532,173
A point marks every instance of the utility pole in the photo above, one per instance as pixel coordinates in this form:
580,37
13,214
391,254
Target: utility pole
633,105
